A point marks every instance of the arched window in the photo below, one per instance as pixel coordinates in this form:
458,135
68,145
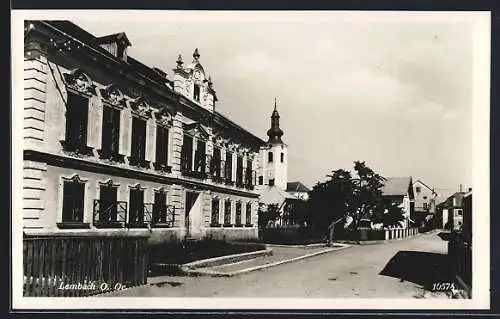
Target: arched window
270,157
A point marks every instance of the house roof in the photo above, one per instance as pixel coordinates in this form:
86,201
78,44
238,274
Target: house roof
296,187
423,184
396,186
274,195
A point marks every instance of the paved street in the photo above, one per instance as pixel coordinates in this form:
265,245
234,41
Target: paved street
399,269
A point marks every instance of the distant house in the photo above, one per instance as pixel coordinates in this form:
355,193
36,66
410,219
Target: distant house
399,191
298,190
425,203
451,211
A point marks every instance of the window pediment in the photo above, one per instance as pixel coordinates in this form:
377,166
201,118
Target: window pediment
164,117
196,129
140,107
74,178
113,95
80,81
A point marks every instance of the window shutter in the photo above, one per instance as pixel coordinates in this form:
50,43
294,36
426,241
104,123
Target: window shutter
94,123
125,131
151,140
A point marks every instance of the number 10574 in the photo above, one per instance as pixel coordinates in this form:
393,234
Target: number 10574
443,286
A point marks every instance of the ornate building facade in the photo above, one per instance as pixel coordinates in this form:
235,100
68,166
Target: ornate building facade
114,146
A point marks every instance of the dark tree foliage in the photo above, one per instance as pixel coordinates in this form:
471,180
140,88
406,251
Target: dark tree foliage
343,196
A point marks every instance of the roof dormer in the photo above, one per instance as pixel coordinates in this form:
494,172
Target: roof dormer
116,44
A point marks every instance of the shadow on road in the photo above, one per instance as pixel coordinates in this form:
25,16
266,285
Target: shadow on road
445,236
421,268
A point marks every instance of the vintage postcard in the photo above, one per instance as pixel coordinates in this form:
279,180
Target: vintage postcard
250,160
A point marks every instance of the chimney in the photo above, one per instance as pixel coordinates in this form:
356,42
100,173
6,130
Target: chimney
460,188
470,189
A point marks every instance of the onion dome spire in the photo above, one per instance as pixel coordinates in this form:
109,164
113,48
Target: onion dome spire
275,133
196,54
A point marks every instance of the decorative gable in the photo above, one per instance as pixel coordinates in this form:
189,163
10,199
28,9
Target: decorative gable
192,81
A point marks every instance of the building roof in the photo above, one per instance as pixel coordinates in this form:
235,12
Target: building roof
274,195
448,203
423,184
70,29
396,186
296,187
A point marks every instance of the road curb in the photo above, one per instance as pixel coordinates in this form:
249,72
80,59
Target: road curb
260,267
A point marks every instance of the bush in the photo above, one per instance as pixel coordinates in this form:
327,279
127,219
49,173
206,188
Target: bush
181,252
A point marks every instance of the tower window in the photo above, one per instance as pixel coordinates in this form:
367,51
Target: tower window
282,157
196,92
418,189
270,157
261,180
271,182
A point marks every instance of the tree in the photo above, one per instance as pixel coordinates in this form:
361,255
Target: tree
343,196
367,193
393,215
332,199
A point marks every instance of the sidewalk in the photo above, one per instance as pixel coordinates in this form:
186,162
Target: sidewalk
281,255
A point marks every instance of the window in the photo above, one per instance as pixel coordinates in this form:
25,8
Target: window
238,214
425,197
187,154
215,212
73,202
418,189
196,92
200,157
136,211
424,205
261,180
239,171
229,167
271,182
138,153
110,132
459,212
76,122
161,147
216,163
248,174
227,213
270,157
248,215
160,208
106,207
282,157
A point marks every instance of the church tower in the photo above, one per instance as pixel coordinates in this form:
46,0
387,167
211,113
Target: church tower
273,157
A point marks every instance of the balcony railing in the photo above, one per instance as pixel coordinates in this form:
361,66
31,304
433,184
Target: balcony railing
199,170
137,161
162,167
141,217
162,216
110,215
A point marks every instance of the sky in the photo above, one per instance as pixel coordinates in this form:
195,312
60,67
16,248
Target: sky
395,93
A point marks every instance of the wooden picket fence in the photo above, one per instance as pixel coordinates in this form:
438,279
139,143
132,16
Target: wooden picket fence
98,264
